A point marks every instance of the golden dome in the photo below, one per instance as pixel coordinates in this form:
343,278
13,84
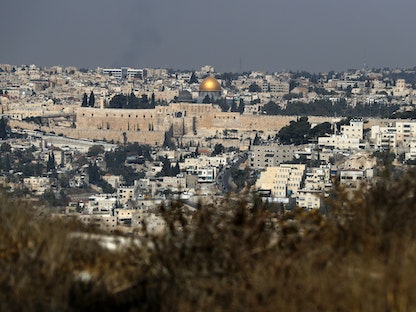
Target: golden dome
210,84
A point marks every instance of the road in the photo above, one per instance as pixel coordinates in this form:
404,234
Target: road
224,180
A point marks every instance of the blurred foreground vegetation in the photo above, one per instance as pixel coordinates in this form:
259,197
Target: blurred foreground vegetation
360,256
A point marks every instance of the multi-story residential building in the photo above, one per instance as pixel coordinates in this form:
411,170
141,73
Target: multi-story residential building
283,181
37,185
206,175
125,72
405,132
192,164
124,216
318,178
309,199
279,87
101,204
350,139
262,156
352,178
412,150
126,193
340,142
384,137
354,129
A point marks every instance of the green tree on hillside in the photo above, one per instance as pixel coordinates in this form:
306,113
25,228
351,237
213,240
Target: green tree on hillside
206,99
96,150
272,108
91,100
84,100
241,106
5,130
254,87
193,79
297,132
51,164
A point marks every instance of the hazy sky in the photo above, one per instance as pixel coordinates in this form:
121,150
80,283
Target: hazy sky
268,35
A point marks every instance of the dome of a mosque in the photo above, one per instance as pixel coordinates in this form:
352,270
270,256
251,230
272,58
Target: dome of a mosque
210,84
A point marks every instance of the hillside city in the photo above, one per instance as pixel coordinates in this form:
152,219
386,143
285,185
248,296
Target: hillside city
108,146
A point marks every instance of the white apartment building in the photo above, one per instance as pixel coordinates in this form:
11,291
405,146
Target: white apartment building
384,137
354,129
124,72
206,175
340,142
192,165
101,204
283,181
350,138
405,132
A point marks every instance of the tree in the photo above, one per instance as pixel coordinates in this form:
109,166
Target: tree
5,148
84,100
254,87
241,106
51,165
256,140
272,108
206,99
322,129
95,150
193,79
94,175
222,103
118,101
218,149
91,100
6,162
297,132
176,169
144,101
166,167
5,130
153,100
234,106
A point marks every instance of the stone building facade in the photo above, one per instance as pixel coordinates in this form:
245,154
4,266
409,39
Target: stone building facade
150,125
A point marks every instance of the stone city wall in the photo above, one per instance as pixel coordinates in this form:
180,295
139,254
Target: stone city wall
142,137
148,126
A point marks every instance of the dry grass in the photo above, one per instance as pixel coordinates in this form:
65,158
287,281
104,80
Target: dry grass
359,257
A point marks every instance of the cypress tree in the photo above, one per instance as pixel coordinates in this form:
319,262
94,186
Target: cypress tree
91,100
84,100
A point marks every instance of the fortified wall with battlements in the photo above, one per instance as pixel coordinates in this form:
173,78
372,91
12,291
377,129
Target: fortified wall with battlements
183,119
149,126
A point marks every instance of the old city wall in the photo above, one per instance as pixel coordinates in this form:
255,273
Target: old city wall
148,126
258,122
142,137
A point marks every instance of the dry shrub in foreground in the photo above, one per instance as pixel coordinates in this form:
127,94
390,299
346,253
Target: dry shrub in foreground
236,257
